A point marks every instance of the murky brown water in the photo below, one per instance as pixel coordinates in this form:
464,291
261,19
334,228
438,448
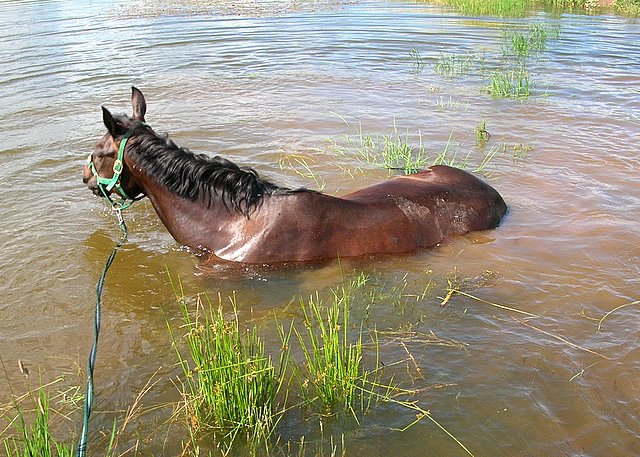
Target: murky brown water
256,85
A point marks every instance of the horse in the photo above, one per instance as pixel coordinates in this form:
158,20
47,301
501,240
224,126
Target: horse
228,213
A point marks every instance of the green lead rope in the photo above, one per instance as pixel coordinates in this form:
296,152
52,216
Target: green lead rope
88,399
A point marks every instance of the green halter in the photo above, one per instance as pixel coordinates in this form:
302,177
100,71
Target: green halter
107,184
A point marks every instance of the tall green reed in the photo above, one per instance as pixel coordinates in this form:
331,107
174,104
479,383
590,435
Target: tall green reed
35,439
333,374
230,383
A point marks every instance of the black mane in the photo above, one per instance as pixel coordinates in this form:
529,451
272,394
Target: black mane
193,176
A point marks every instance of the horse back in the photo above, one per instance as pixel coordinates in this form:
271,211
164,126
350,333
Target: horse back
460,201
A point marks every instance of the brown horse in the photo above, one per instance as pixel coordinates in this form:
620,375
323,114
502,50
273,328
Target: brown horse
231,214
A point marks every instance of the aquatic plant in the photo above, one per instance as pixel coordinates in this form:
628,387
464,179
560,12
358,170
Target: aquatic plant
35,439
515,8
510,83
299,163
231,385
520,44
417,60
333,372
452,65
482,135
396,152
627,7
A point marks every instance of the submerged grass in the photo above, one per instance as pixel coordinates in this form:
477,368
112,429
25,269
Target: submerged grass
452,65
510,83
396,152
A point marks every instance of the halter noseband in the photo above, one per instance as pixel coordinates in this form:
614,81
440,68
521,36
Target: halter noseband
107,184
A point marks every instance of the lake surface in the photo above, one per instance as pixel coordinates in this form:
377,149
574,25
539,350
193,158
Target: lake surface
266,84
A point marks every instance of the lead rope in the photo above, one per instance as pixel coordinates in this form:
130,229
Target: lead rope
88,399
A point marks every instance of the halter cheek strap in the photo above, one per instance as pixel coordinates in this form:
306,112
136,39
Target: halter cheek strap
106,185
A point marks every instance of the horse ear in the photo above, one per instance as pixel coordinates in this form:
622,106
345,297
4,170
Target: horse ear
110,123
139,104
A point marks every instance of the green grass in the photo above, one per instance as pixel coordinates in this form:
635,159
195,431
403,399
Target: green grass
452,65
396,152
35,439
514,8
393,151
230,384
521,44
333,374
510,83
572,4
505,73
627,7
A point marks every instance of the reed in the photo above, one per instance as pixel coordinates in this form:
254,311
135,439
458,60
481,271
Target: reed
452,65
333,374
35,439
505,8
627,7
230,384
510,83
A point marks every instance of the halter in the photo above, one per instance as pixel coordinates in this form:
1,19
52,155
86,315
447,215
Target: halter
107,184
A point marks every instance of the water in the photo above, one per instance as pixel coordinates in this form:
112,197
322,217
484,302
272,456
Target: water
259,83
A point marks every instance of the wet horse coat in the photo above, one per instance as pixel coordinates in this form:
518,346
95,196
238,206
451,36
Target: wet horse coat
230,213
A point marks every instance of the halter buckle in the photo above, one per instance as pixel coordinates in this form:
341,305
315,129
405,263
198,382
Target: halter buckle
117,167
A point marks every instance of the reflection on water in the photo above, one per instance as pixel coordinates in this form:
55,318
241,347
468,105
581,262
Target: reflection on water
254,85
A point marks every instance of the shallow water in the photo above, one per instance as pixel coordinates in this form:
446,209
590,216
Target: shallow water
260,84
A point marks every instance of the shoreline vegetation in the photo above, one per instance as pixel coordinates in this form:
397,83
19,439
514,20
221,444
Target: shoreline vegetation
263,8
520,8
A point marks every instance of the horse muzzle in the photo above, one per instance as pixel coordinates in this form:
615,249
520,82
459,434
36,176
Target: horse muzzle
90,180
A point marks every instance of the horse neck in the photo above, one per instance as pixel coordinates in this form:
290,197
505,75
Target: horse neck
190,223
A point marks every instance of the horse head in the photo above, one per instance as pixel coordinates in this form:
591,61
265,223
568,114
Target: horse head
106,171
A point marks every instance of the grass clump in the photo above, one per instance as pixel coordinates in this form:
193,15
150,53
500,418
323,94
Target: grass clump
627,7
393,152
505,8
509,75
521,44
396,152
231,385
35,439
452,65
333,374
510,83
